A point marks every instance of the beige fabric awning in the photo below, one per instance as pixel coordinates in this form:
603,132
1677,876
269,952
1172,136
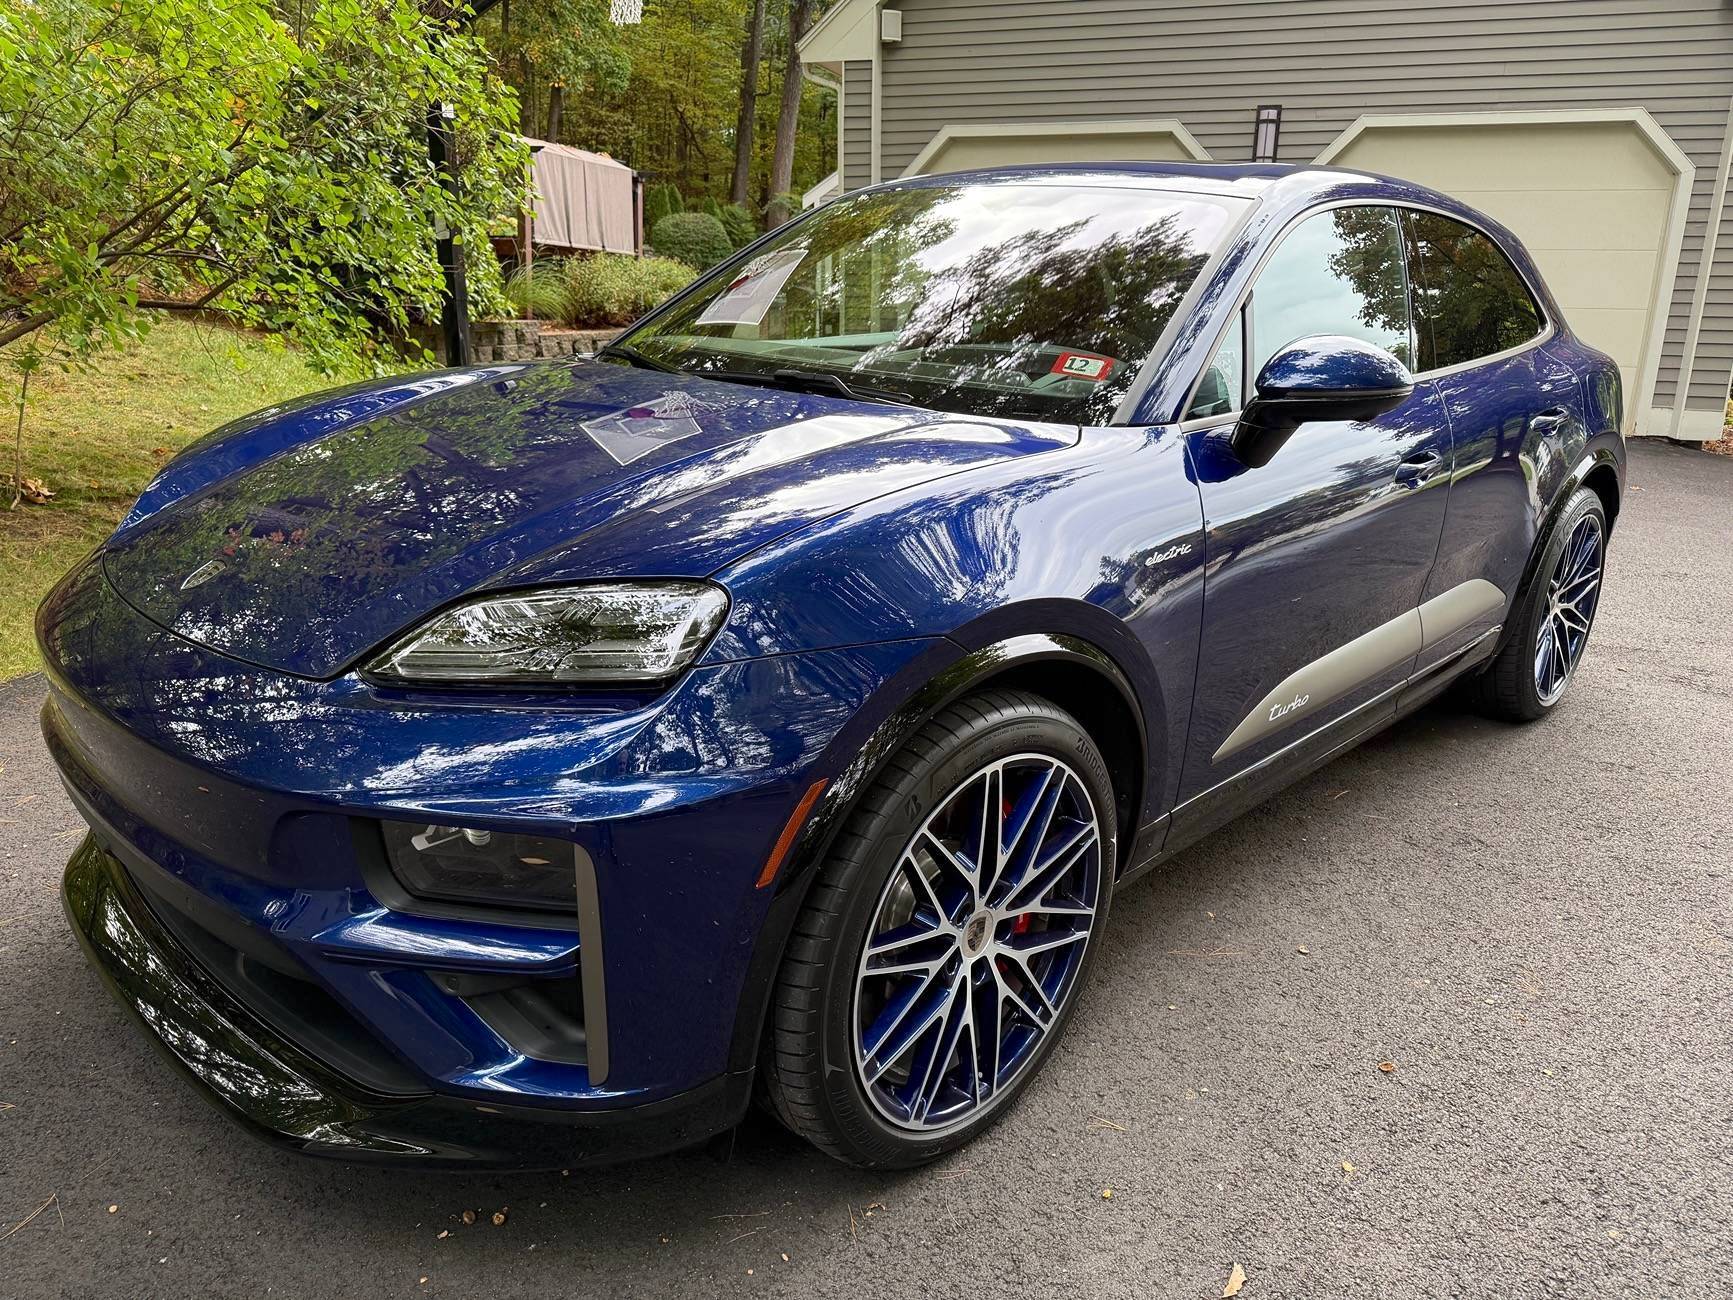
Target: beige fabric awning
582,200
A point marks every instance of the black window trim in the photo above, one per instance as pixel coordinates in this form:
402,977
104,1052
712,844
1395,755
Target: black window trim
1547,331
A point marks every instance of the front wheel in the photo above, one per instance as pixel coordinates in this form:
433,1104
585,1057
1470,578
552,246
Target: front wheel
938,959
1531,673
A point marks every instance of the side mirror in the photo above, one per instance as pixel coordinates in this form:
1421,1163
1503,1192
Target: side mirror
1324,377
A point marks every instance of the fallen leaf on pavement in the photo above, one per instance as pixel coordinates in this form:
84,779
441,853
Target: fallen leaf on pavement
1388,1067
499,1218
1236,1279
469,1216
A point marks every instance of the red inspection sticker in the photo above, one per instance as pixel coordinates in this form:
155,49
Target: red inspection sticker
1082,365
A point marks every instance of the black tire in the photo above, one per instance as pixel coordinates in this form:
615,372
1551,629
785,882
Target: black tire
1506,688
807,1071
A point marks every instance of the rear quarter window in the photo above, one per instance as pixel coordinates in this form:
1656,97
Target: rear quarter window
1470,301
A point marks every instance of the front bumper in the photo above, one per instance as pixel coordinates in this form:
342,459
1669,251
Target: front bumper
282,1094
230,795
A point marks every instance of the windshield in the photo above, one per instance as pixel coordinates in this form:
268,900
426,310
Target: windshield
1034,301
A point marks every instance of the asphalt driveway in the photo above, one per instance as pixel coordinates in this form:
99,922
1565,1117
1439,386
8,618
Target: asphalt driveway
1534,926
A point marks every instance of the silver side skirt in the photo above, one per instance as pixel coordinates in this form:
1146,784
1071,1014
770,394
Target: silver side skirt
1327,679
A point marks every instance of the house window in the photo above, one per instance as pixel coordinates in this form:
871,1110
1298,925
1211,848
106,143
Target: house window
1268,133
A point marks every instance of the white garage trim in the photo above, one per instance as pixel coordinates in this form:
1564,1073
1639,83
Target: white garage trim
1108,126
1638,406
1710,429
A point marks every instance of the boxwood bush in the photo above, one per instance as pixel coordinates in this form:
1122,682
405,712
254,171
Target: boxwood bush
695,238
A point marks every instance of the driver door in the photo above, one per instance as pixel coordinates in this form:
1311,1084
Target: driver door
1317,561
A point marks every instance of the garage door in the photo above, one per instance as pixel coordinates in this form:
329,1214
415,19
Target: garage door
1593,201
960,148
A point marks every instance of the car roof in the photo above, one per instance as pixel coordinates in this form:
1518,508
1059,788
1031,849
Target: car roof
1246,180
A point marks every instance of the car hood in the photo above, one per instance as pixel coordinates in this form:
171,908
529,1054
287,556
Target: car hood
302,540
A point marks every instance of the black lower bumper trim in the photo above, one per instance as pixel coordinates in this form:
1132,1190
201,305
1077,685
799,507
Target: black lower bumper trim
275,1089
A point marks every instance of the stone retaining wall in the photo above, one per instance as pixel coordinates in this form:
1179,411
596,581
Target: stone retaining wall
515,340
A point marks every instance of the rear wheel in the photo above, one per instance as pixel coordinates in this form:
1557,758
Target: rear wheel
937,961
1536,666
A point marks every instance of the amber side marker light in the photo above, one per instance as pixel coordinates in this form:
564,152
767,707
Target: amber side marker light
785,841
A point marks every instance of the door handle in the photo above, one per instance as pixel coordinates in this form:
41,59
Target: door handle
1416,469
1550,421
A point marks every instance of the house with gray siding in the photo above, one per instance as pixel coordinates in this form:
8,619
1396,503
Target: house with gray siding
1600,131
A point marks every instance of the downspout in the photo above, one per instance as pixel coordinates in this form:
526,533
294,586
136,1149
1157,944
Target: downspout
823,80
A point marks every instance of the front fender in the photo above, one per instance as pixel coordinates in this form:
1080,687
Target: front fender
940,676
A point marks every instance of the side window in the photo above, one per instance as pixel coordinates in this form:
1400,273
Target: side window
1222,387
1337,272
1469,301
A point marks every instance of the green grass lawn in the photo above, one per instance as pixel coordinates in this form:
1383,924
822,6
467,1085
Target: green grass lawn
95,437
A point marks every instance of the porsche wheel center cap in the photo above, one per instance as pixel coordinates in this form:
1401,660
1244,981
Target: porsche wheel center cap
977,933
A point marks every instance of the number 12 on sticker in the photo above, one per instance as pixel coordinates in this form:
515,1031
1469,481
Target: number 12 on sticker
1082,365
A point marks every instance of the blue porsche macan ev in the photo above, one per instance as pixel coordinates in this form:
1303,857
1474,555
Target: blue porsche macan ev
529,764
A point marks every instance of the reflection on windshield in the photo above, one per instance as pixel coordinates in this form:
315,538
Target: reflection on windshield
995,299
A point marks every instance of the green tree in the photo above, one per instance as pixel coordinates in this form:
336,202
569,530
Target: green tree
745,123
678,120
552,52
233,154
779,208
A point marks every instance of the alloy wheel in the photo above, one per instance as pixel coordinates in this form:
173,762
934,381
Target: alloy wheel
1572,595
976,942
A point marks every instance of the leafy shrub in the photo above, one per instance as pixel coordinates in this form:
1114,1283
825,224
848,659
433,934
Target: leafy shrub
233,157
662,200
695,238
741,225
617,288
538,290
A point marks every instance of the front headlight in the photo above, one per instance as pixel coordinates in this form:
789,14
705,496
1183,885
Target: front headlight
593,635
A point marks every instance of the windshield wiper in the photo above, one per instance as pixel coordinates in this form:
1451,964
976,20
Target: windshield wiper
632,356
811,381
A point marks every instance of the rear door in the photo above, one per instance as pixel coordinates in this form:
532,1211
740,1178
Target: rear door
1318,560
1514,412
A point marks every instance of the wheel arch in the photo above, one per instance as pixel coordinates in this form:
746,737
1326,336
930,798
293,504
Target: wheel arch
1600,469
1603,480
1074,672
